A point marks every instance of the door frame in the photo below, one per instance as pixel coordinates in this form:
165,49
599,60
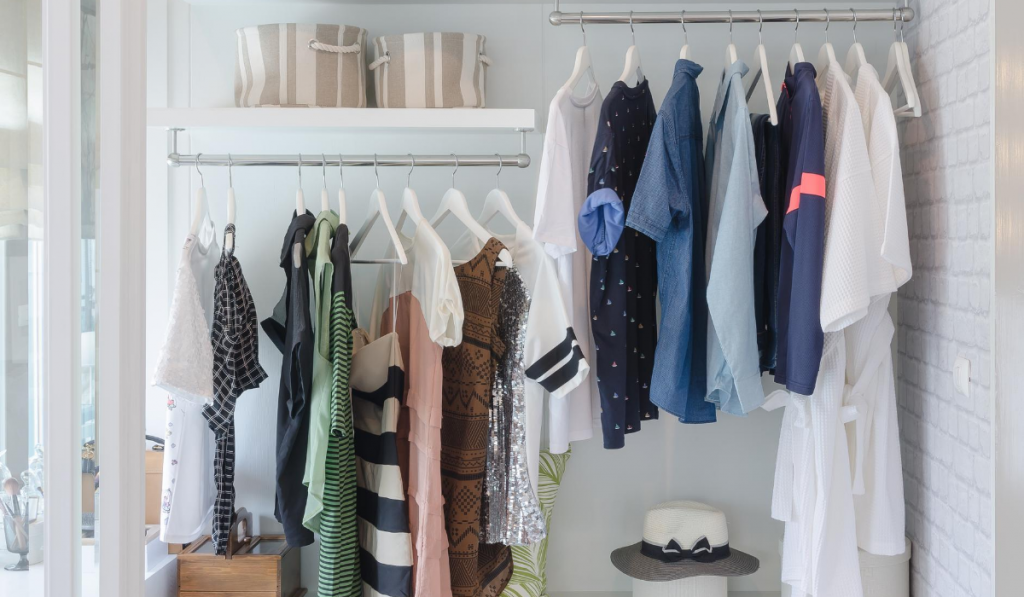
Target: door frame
121,295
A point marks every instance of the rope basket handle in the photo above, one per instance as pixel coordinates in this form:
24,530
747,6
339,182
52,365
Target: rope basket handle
387,58
322,47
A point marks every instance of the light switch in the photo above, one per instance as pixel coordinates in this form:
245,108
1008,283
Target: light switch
962,375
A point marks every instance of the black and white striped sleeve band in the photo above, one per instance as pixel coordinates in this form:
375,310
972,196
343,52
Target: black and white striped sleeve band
562,368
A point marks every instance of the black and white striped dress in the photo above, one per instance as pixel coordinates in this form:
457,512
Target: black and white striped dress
377,382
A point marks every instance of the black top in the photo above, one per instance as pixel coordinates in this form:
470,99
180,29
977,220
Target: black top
771,172
291,330
623,284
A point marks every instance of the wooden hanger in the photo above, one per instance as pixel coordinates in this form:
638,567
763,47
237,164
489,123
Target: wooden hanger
583,66
454,203
300,199
796,53
855,57
325,199
731,56
761,63
229,237
684,54
410,202
498,203
898,70
378,208
633,65
199,205
827,54
342,215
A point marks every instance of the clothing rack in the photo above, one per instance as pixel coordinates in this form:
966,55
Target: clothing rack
520,160
689,17
494,160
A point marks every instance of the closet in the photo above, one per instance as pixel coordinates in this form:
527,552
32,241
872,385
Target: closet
259,165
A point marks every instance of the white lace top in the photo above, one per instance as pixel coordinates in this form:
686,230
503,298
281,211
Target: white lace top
185,367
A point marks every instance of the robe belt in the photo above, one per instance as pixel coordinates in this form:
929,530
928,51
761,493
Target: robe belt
796,451
856,398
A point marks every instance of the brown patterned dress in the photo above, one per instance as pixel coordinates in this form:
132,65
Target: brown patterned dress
478,569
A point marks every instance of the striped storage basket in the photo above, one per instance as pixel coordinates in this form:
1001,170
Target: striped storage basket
430,70
301,65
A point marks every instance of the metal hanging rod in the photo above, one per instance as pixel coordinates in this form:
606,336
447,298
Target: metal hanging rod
520,160
692,17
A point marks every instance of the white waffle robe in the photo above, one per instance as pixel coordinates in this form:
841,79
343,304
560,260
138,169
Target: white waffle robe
871,389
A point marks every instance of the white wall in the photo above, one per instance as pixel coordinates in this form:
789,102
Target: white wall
946,309
605,493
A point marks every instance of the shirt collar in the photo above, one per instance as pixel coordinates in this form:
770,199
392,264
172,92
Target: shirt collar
801,71
689,67
736,68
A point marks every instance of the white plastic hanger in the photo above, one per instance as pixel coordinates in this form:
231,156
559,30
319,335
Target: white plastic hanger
229,237
730,50
300,199
410,202
582,67
633,66
454,203
898,70
761,63
378,208
497,202
684,54
796,54
342,215
325,199
827,54
855,58
199,206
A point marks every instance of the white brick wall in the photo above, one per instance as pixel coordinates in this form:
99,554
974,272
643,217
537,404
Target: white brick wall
945,309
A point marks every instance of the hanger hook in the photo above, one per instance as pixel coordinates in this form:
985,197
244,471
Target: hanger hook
299,168
582,29
730,26
408,176
682,21
323,166
231,183
760,26
828,23
854,11
796,30
631,31
375,175
894,20
341,172
497,175
903,22
456,168
202,181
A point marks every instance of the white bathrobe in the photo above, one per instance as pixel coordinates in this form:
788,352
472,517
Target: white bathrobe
871,389
813,486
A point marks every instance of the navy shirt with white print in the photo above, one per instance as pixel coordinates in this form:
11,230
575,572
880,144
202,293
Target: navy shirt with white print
623,280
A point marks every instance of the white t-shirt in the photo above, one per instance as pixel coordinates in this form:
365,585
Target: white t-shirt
185,370
561,191
554,362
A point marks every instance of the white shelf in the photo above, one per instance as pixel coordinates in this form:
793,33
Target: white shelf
366,119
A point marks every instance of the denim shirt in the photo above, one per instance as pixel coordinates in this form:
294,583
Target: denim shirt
667,208
735,211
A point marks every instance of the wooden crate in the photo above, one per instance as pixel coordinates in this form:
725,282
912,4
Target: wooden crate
260,566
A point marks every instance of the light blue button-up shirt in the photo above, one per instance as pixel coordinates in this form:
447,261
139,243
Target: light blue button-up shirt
735,209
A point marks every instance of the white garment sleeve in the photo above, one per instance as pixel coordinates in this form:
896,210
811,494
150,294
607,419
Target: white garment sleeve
554,221
553,356
442,304
845,290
